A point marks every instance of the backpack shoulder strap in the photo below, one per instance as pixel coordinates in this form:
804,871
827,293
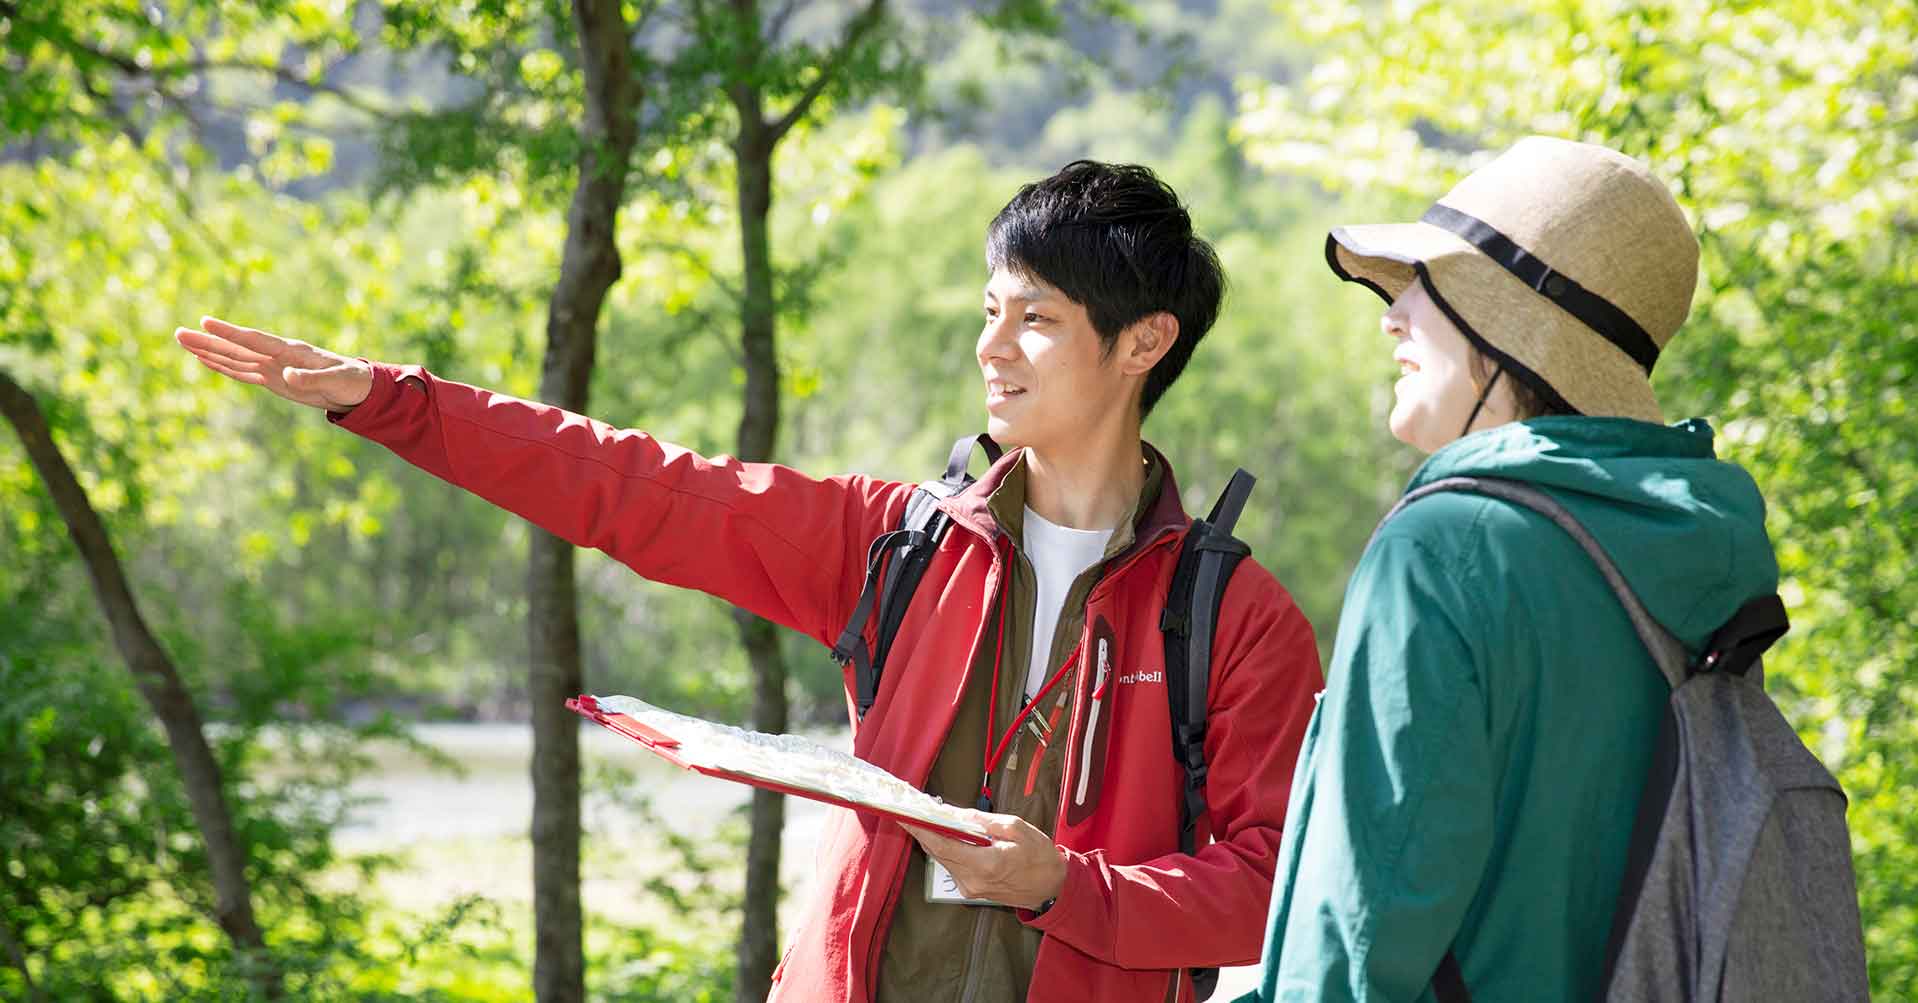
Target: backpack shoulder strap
1666,650
911,544
1207,558
1734,648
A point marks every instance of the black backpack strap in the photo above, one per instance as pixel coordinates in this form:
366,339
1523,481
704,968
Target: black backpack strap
851,648
1448,983
961,456
1660,777
920,531
1755,627
1207,558
903,573
1225,511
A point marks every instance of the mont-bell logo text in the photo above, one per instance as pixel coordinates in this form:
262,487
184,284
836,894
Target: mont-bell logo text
1141,677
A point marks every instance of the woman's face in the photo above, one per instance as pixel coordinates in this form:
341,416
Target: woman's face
1435,392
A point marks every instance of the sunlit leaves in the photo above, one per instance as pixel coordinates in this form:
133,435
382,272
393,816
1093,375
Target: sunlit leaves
78,73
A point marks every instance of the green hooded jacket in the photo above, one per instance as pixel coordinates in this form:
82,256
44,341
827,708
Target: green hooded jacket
1471,775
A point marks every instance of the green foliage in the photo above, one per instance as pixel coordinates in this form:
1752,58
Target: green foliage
81,836
516,110
1788,132
103,887
80,74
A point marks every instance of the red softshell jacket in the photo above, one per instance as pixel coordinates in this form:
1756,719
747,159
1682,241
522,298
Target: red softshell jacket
1134,911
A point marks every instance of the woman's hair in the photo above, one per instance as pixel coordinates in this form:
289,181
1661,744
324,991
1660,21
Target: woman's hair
1527,400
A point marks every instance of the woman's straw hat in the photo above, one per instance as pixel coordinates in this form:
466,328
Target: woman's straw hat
1567,263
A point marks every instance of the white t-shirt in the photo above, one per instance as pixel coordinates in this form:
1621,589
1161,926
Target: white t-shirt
1059,555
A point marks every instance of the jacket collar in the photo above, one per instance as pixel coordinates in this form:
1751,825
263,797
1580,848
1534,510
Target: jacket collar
1155,516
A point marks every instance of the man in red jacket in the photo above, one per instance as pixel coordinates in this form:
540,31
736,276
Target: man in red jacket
1028,673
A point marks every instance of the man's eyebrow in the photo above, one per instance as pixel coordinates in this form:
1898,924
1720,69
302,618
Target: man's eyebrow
1025,294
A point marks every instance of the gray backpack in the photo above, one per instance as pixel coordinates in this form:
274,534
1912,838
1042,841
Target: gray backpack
1738,884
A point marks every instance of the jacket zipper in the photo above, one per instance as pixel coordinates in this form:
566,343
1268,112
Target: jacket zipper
891,902
1137,552
970,993
981,921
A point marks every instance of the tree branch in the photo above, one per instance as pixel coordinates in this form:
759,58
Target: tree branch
856,29
283,75
130,67
15,953
694,256
776,25
114,111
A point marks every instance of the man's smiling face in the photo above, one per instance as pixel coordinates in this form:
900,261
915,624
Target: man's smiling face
1049,378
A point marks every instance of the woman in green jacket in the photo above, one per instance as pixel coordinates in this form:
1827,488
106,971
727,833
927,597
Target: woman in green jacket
1471,776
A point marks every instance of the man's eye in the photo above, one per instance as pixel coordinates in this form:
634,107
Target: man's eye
1033,318
991,313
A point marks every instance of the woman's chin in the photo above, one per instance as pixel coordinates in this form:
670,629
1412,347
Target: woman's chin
1407,427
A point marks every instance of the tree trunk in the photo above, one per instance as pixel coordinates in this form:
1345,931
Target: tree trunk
759,926
159,682
753,148
588,268
758,434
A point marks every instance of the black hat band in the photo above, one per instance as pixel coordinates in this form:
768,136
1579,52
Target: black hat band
1591,309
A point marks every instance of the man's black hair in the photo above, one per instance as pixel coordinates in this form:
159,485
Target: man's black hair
1114,239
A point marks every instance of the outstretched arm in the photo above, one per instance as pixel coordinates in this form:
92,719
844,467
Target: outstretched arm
767,538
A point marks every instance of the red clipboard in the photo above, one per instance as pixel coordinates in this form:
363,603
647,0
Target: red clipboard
662,745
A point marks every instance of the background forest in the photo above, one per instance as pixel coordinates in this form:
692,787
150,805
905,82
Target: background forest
268,697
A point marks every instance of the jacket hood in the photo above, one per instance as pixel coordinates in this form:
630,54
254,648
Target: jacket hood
1686,529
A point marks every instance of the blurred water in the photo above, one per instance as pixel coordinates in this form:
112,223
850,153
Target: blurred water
466,833
492,796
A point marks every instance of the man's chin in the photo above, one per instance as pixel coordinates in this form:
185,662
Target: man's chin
1003,432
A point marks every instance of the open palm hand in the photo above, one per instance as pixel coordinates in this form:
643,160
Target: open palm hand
295,370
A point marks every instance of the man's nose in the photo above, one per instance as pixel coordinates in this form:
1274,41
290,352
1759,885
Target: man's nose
996,340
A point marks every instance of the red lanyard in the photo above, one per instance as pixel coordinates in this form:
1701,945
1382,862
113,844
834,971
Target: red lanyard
996,751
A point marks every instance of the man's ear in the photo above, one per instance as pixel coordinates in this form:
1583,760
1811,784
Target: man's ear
1146,342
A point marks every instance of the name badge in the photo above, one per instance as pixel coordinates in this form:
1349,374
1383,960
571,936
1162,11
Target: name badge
941,888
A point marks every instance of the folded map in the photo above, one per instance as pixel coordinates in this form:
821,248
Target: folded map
789,763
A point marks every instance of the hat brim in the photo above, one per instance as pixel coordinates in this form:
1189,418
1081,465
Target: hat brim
1383,257
1502,316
